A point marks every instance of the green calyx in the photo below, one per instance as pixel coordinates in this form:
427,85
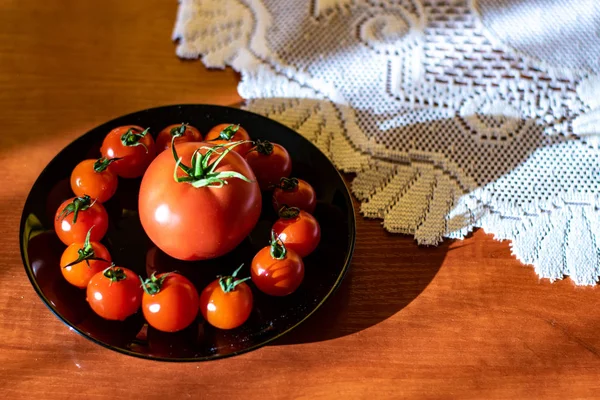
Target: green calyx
86,253
78,204
179,130
115,274
153,284
102,163
286,212
229,132
228,283
278,250
202,173
263,147
133,136
287,184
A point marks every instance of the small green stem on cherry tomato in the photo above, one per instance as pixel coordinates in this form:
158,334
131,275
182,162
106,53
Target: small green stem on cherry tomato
132,138
86,253
102,163
202,171
228,283
286,212
153,284
228,132
263,147
179,130
78,204
114,273
278,250
287,184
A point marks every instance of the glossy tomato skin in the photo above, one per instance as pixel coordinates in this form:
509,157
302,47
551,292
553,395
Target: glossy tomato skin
80,274
302,196
134,159
277,277
213,137
300,234
191,223
115,300
100,186
163,140
69,232
226,310
174,307
270,168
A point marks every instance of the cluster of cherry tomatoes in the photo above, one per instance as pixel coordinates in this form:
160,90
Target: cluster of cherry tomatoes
193,212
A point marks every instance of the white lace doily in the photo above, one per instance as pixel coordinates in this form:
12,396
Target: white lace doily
453,114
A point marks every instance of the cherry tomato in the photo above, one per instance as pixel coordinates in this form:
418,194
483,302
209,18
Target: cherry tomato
226,303
82,260
115,293
182,132
134,147
203,214
170,302
270,162
298,230
294,192
229,133
92,177
276,270
76,216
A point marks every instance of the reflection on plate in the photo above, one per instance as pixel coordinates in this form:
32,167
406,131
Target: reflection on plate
131,248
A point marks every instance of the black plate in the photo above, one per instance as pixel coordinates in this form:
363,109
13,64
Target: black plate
131,248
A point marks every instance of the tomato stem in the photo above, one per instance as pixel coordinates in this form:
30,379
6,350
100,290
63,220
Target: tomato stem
115,274
262,147
133,136
228,283
228,132
278,250
202,171
286,212
153,284
102,163
287,184
86,253
179,130
78,204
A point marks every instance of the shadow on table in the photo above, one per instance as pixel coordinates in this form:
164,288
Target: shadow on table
387,273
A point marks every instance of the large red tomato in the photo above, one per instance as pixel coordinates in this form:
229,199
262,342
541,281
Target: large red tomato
201,208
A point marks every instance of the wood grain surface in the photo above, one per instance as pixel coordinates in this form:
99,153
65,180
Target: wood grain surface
464,320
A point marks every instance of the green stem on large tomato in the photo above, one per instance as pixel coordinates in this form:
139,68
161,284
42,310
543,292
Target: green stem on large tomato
86,253
228,283
78,204
202,173
278,250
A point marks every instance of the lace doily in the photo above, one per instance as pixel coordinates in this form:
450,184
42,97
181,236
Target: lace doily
453,114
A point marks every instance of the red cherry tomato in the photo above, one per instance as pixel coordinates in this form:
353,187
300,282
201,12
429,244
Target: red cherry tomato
182,132
298,230
94,178
201,216
170,302
134,147
76,216
276,270
270,162
229,133
82,260
115,293
226,303
294,192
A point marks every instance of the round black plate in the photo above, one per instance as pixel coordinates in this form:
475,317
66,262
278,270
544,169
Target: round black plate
131,248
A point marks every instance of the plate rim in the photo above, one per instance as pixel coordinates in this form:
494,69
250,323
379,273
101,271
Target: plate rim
334,287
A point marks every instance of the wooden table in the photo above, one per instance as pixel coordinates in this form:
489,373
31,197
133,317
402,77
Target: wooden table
461,320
